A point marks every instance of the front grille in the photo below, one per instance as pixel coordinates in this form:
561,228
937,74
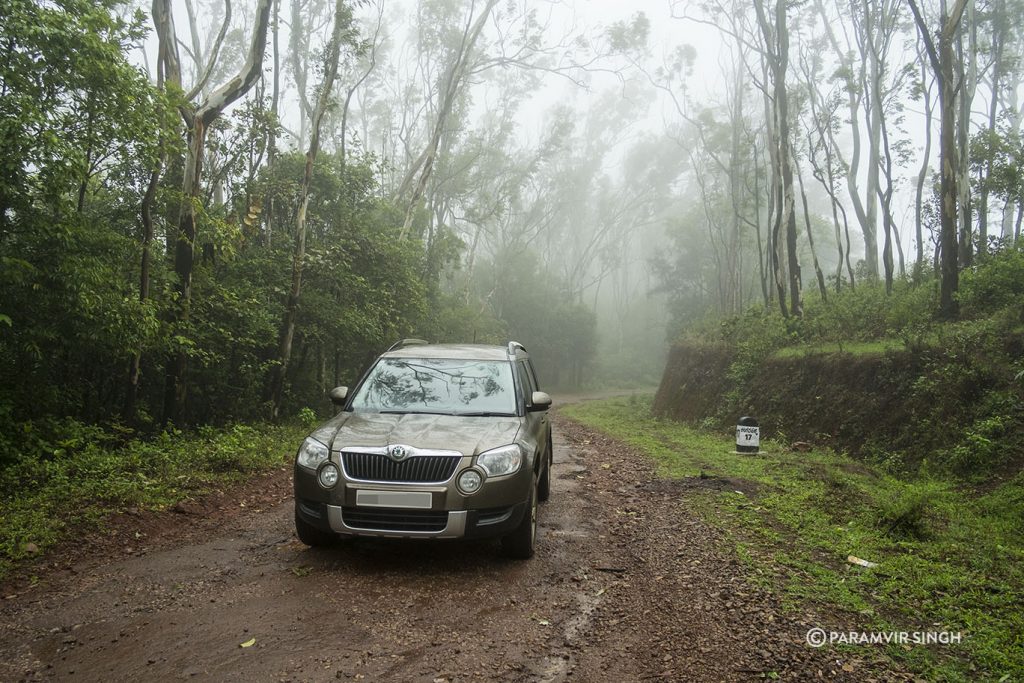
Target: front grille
420,469
389,519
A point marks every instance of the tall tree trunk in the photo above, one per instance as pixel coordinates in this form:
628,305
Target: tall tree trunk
1000,25
967,75
946,71
873,114
854,97
775,204
146,212
822,289
776,40
275,103
342,17
922,176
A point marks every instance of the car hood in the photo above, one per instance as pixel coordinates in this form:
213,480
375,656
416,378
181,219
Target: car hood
468,435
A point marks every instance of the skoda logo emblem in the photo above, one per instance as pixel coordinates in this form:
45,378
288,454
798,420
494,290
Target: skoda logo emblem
398,453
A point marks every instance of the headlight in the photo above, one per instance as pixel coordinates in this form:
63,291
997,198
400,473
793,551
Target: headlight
470,481
312,453
499,461
328,475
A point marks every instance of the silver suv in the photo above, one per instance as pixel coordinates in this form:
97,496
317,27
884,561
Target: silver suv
436,441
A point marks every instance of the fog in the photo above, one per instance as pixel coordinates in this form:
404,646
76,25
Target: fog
652,164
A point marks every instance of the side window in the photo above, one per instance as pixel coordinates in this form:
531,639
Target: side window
529,383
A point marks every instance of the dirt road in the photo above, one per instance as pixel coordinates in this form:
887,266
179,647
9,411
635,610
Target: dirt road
627,585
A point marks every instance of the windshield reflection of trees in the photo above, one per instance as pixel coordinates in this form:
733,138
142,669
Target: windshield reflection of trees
404,385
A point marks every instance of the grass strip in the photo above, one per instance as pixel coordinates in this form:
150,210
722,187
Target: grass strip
84,475
950,558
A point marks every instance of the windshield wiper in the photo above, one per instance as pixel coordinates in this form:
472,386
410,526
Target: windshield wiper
484,414
413,412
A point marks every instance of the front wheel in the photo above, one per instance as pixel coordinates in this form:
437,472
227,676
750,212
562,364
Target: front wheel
310,535
520,543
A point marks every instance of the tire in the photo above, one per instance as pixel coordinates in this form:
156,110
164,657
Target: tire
310,535
519,544
544,486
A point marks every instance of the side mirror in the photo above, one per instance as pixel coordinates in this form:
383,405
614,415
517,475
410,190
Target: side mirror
338,395
540,401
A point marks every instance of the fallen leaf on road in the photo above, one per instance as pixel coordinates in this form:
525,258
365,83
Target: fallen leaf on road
248,643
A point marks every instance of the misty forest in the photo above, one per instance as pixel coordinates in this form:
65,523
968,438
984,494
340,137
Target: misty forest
212,212
216,211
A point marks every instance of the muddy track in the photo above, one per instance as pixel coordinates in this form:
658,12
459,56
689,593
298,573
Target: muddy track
627,585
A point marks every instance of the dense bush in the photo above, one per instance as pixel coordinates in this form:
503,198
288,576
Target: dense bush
997,283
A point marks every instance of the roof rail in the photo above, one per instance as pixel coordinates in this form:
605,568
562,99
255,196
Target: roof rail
512,346
401,343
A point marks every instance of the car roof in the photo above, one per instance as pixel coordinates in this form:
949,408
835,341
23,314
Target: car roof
459,351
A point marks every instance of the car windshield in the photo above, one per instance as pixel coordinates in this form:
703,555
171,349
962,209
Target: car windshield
438,385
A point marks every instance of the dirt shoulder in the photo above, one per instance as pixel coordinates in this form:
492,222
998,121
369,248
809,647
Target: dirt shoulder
626,585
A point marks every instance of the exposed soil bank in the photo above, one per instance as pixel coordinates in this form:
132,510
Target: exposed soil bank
913,403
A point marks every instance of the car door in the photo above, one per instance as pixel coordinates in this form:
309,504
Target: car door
536,422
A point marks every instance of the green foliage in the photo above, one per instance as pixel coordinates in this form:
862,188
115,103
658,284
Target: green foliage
959,397
71,103
995,162
996,284
80,125
66,476
308,417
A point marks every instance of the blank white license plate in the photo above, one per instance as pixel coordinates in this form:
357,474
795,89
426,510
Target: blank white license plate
418,500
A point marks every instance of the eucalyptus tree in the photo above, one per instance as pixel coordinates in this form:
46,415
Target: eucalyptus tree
822,123
197,119
966,56
460,44
947,70
923,89
775,44
876,25
1003,45
341,33
723,156
449,87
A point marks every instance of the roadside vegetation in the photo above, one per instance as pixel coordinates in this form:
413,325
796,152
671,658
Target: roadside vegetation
894,436
877,374
950,558
71,477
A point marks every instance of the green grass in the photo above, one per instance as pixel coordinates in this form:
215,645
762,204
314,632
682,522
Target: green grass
876,347
82,476
949,559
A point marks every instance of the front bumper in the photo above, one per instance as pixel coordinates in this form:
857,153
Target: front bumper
495,510
383,523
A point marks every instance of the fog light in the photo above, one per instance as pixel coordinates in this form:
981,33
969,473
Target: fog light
470,481
328,475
